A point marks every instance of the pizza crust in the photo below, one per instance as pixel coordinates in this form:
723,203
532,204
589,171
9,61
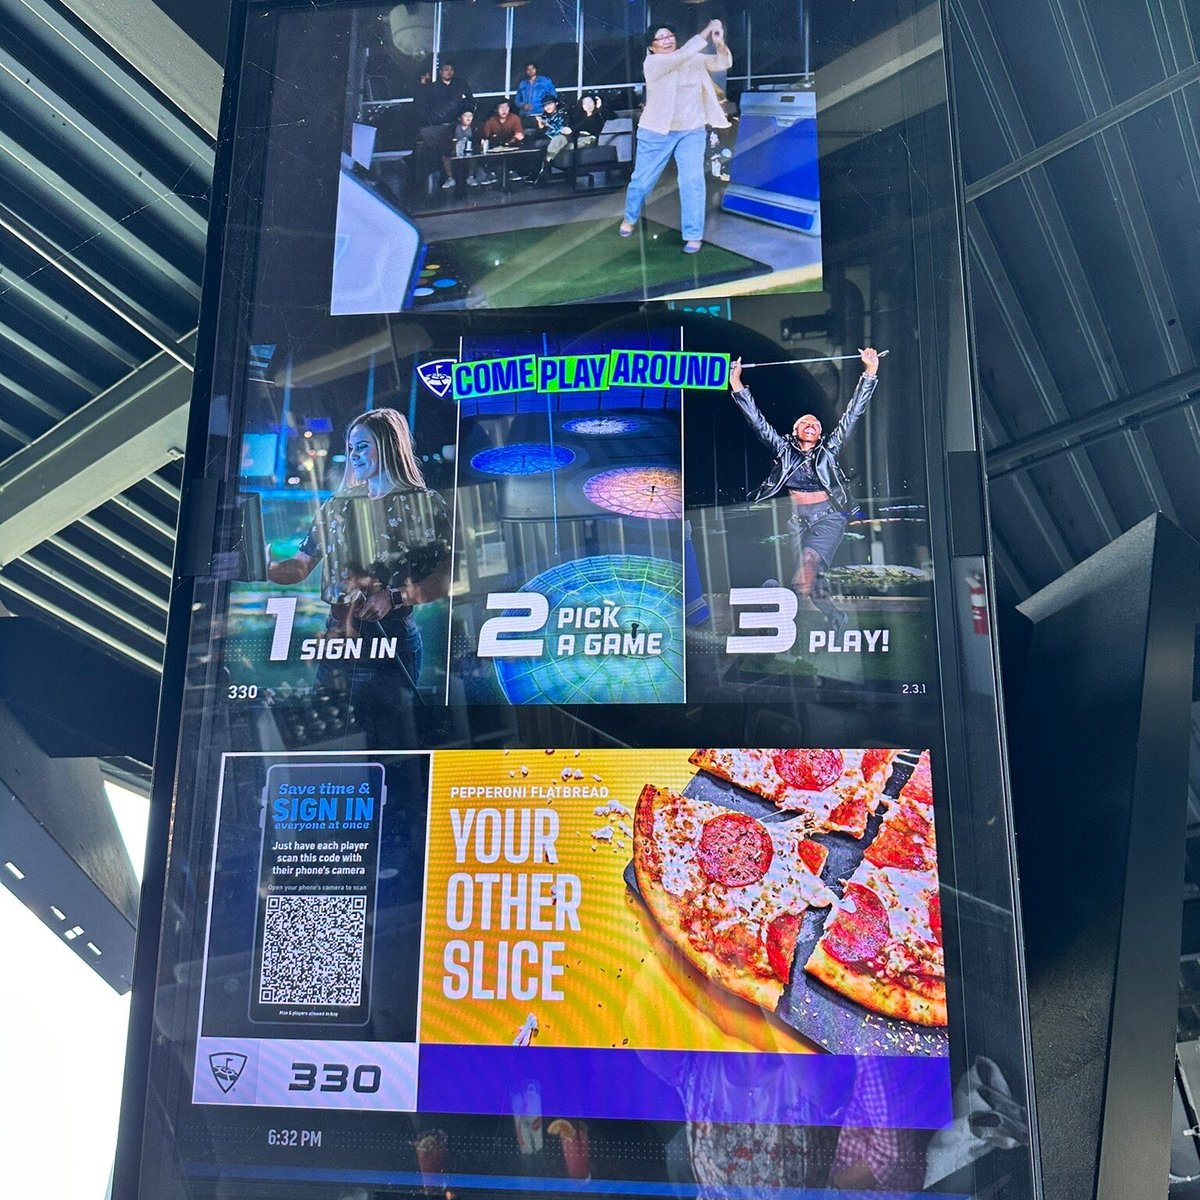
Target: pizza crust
647,865
888,997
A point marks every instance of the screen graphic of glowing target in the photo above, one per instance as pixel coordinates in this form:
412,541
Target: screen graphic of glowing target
524,458
649,595
654,492
603,426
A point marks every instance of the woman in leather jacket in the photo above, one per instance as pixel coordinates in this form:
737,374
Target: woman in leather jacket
806,465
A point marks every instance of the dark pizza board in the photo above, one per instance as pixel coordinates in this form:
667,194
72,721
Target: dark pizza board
822,1015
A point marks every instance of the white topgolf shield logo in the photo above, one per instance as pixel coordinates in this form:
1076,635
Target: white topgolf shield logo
436,376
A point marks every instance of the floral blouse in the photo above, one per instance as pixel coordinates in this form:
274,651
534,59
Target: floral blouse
404,535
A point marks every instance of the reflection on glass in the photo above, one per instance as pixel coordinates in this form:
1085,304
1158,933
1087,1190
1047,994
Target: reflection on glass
560,807
472,36
611,42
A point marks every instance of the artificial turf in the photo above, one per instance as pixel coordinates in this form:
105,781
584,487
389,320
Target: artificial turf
586,260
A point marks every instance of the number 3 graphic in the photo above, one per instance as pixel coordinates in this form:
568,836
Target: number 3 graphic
779,618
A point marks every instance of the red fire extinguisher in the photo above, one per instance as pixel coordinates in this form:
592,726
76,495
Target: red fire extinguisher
979,611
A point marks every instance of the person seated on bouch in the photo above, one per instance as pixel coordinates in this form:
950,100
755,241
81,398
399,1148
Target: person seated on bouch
588,120
553,125
503,128
465,138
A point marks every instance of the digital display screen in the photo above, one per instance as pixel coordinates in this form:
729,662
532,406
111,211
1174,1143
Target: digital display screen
572,791
258,454
452,169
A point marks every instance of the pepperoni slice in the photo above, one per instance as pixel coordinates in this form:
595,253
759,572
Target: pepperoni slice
809,770
858,934
919,788
781,944
906,839
813,856
735,849
873,761
892,849
935,916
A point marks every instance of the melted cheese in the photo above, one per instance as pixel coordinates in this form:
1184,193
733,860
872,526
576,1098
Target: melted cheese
787,886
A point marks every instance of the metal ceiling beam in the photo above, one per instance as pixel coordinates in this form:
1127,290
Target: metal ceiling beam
1126,187
1105,419
46,110
142,34
164,532
1006,563
1081,133
68,264
990,264
70,587
115,440
77,626
46,364
16,388
168,489
68,323
1039,514
136,554
106,571
44,22
12,432
46,188
975,21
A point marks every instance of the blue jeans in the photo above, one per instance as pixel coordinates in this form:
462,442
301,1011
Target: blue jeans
654,151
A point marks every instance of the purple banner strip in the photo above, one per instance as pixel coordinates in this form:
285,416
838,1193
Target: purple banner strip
678,1085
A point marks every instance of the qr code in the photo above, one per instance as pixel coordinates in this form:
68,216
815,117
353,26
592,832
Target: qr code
313,950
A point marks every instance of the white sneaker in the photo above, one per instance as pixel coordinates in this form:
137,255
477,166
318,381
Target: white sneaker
447,184
472,181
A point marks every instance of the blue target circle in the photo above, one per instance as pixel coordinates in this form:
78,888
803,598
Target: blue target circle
603,426
525,458
649,595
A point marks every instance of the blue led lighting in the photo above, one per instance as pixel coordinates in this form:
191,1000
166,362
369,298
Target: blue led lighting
525,458
603,426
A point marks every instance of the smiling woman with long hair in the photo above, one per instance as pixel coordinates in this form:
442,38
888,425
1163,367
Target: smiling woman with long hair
383,542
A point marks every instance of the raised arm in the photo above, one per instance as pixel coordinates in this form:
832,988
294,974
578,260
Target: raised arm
722,60
867,383
763,429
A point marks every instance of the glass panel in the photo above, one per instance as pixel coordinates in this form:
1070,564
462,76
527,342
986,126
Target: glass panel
612,42
588,775
545,34
473,39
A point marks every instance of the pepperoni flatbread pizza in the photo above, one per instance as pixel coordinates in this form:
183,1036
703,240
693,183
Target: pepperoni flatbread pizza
728,891
882,947
906,836
829,790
